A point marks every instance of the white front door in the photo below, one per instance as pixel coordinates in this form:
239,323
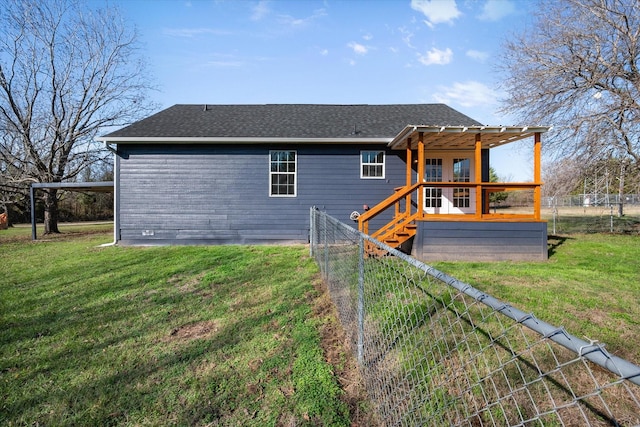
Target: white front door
449,167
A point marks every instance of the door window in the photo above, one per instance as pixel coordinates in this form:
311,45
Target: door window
449,167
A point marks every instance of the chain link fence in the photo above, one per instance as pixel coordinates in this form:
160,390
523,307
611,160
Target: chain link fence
608,213
435,351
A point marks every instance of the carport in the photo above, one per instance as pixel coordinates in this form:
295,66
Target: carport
98,187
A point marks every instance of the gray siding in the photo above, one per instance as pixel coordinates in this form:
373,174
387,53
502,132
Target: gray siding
481,241
213,194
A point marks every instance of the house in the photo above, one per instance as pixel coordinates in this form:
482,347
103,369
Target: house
218,174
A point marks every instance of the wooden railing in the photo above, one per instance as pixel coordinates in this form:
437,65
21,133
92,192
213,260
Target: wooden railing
407,211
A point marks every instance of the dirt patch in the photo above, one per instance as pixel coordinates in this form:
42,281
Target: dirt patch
186,283
193,331
337,353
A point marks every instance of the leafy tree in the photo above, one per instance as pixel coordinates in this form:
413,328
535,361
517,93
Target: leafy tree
496,197
577,67
68,70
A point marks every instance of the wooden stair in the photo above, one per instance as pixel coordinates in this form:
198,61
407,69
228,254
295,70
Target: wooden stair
400,229
395,238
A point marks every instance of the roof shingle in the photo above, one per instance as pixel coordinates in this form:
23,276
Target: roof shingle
290,121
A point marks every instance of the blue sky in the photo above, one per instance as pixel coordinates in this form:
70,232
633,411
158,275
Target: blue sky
334,52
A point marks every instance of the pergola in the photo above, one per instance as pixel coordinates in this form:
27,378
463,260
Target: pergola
99,187
425,138
477,138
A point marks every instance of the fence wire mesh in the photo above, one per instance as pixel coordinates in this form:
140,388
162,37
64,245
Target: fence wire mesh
435,351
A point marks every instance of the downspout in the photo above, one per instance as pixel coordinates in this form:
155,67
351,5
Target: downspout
110,148
115,195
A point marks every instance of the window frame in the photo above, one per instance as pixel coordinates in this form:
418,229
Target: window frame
461,172
432,195
280,173
370,164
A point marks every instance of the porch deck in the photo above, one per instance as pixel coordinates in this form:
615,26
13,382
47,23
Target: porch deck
452,219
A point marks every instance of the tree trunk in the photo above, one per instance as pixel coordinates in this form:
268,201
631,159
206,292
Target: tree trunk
51,211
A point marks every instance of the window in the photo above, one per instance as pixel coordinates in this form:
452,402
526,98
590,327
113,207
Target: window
461,173
282,173
371,164
433,173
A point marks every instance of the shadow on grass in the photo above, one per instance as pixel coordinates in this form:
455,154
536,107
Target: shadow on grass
554,242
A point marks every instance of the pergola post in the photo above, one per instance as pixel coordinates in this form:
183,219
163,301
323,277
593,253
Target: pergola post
478,175
409,173
409,160
420,198
537,174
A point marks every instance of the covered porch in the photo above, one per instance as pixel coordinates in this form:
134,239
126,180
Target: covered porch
447,181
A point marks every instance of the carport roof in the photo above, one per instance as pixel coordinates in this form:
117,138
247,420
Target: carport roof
101,187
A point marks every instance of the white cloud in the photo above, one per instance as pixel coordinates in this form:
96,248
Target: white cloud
466,94
290,21
437,11
477,55
367,37
324,52
260,10
358,48
407,35
494,10
436,57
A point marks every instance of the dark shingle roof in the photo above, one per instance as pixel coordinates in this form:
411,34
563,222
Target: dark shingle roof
290,121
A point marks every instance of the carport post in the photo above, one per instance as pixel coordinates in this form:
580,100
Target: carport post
33,212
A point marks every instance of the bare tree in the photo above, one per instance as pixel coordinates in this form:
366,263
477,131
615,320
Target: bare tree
67,71
576,66
562,178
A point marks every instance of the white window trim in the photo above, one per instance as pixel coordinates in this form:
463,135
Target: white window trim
384,162
295,175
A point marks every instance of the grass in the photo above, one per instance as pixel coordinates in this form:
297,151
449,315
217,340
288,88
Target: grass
477,364
222,335
593,219
231,335
590,285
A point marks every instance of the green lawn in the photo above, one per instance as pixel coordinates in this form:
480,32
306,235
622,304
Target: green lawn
223,335
231,335
590,285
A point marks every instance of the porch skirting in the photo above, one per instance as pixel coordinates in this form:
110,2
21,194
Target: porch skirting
480,241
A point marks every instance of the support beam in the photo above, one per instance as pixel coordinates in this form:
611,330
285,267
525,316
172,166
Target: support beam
407,200
537,174
33,212
478,175
409,160
420,198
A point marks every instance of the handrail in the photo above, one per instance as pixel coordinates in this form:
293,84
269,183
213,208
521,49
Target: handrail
403,192
386,203
498,185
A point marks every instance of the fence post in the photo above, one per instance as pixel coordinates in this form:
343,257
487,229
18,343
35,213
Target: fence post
312,231
611,218
361,300
326,247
